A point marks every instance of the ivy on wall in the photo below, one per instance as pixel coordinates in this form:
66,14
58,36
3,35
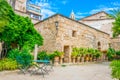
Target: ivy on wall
19,30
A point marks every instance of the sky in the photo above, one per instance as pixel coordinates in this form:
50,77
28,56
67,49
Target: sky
81,8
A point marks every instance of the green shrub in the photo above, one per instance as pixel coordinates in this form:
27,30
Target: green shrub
75,52
118,53
8,64
111,53
97,53
51,56
57,53
13,54
115,65
24,58
42,55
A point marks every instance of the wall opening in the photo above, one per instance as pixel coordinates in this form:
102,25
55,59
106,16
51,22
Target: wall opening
66,54
74,33
99,45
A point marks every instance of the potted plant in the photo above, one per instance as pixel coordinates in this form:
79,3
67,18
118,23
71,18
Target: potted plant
98,54
57,55
79,55
61,57
92,51
74,54
84,54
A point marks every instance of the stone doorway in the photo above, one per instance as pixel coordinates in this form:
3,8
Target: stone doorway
66,54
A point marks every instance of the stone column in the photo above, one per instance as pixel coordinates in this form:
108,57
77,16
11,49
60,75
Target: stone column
35,52
70,54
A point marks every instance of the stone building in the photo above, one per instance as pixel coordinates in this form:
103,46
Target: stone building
63,33
102,22
25,8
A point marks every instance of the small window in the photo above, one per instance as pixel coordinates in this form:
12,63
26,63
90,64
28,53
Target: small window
99,44
74,33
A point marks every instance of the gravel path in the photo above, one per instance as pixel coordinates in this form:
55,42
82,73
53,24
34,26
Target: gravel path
73,72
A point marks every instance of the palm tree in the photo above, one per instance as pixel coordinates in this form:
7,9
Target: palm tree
115,14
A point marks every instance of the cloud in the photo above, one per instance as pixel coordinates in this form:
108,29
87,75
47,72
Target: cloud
64,2
106,9
46,13
79,15
44,5
115,3
47,9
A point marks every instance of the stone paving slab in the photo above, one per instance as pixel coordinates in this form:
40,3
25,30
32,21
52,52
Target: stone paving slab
71,72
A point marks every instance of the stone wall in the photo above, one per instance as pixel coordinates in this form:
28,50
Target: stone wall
104,25
48,30
34,21
99,15
84,36
20,5
115,43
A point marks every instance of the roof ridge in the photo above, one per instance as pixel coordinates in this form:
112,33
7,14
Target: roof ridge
94,14
72,20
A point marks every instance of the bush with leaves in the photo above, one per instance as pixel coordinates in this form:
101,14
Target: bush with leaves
58,53
115,65
75,52
13,54
8,64
24,58
42,55
111,53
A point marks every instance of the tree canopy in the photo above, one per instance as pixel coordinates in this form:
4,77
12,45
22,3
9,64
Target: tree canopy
4,12
20,30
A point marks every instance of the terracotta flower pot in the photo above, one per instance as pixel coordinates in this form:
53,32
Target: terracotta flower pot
78,59
73,59
56,60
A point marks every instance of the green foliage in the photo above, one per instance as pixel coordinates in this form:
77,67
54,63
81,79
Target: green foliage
13,54
96,53
83,51
116,25
75,52
24,58
111,53
115,65
8,64
21,31
51,56
58,53
5,9
118,52
42,55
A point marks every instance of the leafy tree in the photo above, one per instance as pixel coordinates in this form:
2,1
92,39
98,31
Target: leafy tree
116,25
4,12
20,31
115,65
111,53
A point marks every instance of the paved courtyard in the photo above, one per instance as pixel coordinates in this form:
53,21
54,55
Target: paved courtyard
71,72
